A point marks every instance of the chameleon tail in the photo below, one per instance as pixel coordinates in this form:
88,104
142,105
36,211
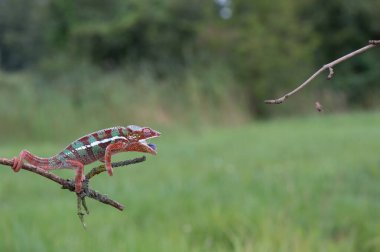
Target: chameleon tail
34,160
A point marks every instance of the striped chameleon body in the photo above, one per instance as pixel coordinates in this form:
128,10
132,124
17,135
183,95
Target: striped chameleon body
97,146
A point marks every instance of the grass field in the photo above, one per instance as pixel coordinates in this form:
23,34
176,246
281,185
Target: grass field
306,184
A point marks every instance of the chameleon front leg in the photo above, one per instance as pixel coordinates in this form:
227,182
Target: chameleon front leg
111,149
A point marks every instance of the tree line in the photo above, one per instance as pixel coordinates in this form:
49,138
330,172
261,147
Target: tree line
268,46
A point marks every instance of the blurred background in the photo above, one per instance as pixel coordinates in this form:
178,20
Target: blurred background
232,173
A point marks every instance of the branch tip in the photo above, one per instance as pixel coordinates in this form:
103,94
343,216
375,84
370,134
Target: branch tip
277,101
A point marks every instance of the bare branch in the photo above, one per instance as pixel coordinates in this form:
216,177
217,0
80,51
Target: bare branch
329,66
70,185
101,168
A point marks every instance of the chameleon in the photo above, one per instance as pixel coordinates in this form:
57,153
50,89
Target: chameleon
96,146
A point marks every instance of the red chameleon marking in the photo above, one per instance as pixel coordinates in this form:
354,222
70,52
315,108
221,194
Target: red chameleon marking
97,146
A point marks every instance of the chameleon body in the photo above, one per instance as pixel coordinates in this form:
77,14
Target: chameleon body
97,146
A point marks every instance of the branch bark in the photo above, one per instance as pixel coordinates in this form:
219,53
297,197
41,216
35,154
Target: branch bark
70,185
329,66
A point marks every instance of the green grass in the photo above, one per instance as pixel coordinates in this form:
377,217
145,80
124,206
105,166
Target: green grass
308,184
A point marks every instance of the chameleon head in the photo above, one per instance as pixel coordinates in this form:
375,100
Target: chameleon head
137,133
142,146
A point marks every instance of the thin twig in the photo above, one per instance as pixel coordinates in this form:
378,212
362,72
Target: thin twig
70,185
101,168
329,66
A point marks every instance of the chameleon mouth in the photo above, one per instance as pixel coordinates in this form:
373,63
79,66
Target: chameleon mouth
150,146
153,146
156,134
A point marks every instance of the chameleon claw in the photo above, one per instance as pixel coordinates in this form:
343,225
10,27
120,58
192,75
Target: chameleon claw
109,170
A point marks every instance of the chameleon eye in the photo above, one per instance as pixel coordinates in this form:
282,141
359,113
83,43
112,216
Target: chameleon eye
146,132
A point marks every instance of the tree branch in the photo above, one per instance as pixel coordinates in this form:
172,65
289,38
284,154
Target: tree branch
329,66
101,168
70,185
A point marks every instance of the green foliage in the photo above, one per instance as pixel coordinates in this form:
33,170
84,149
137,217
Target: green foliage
285,185
22,38
109,33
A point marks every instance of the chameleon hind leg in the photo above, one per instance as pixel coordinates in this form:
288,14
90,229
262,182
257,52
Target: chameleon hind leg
44,164
79,177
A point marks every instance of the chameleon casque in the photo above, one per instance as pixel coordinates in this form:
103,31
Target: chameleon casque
97,146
